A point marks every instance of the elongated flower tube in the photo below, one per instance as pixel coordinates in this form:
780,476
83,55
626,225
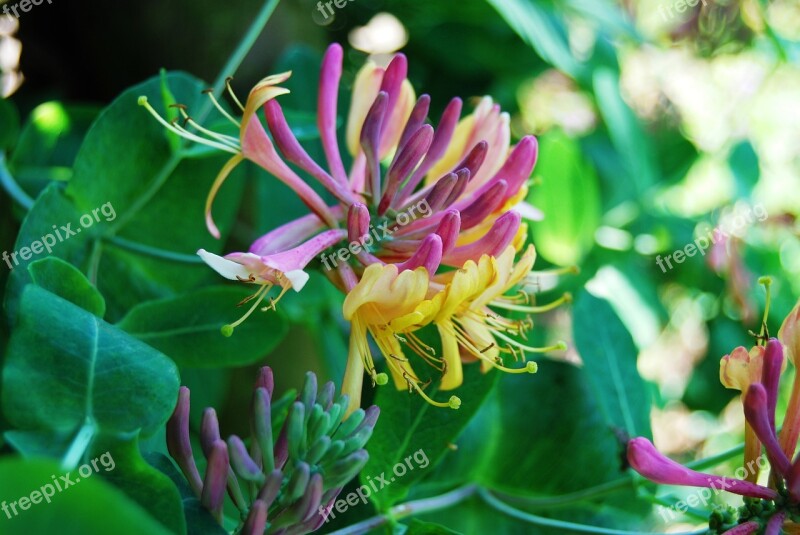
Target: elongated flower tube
417,200
789,335
649,462
291,480
769,509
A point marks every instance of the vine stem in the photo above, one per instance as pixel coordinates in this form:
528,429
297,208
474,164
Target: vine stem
410,508
12,187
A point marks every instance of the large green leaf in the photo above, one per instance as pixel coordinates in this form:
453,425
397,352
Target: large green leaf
66,367
609,362
568,194
87,507
411,435
544,444
187,328
145,485
65,280
137,190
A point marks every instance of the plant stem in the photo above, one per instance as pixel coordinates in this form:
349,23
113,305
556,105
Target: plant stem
12,188
155,252
411,508
492,501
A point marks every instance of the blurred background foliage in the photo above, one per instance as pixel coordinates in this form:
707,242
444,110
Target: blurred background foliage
658,122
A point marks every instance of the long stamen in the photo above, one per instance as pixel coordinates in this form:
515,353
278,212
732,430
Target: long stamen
566,298
210,93
231,93
227,330
222,138
454,402
558,346
182,132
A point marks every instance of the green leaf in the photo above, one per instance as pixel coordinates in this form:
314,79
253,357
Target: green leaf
131,185
541,30
626,132
411,435
129,472
568,194
65,280
9,124
529,442
609,362
83,370
87,507
187,328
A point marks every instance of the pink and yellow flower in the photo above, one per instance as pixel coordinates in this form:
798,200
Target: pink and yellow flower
449,197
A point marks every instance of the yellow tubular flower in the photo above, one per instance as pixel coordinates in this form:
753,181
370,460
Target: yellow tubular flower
386,304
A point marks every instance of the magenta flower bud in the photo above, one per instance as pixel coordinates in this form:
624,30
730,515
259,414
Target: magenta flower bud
440,191
310,501
771,376
392,82
293,151
178,443
428,256
209,430
330,73
463,177
256,520
370,418
272,486
494,242
474,158
448,230
407,159
265,380
775,524
441,140
281,450
756,412
519,165
288,235
216,480
370,141
417,118
358,221
743,529
241,462
483,205
649,462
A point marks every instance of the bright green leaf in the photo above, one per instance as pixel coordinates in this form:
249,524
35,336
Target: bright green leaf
187,328
65,280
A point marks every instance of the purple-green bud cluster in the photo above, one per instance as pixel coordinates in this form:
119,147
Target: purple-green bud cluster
278,485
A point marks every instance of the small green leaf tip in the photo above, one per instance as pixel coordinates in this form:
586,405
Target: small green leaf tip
381,379
532,367
455,402
226,330
142,100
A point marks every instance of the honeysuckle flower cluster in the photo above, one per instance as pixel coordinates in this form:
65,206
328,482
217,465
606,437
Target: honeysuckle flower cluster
279,486
454,269
770,508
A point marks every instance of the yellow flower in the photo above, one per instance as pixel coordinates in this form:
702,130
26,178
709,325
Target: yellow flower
387,304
